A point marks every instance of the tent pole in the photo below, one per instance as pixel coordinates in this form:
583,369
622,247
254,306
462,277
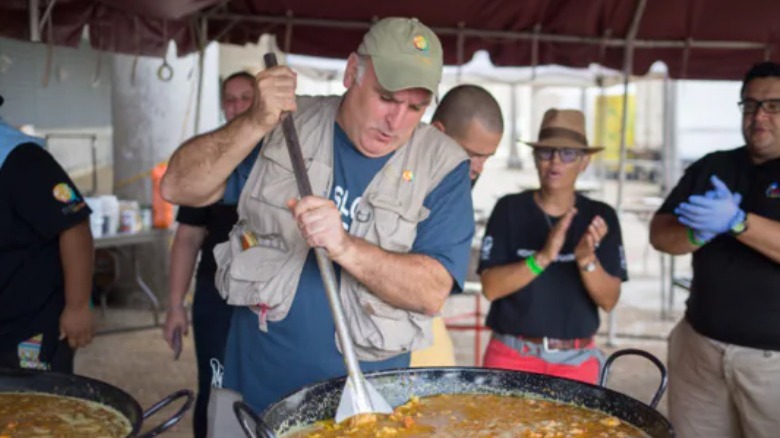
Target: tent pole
602,118
202,35
627,69
514,161
35,22
675,169
459,53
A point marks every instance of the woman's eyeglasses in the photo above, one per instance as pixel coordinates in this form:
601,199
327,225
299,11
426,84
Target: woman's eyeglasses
566,155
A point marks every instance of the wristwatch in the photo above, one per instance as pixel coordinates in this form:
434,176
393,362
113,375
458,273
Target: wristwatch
589,267
739,225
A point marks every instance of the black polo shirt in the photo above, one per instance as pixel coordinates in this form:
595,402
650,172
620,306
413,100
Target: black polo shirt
735,293
38,201
556,303
218,219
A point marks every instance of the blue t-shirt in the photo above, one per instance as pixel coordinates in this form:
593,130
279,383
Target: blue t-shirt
301,349
238,177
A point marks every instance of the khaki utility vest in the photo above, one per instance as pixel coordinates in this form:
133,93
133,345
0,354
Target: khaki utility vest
261,263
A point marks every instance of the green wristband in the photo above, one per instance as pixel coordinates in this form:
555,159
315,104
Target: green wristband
530,261
692,238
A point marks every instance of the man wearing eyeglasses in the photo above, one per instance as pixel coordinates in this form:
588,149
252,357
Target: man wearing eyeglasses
550,259
724,355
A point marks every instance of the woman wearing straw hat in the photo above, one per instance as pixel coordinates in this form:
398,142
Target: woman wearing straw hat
550,259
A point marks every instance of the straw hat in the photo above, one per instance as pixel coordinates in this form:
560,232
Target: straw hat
564,129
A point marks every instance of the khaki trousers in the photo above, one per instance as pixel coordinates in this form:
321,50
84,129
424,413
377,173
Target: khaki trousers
721,390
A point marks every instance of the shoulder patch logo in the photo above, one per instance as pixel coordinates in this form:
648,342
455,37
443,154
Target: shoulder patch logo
63,193
773,191
487,246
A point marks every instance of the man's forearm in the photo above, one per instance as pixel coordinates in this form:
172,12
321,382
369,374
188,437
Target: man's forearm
763,235
184,255
408,281
670,236
77,255
199,169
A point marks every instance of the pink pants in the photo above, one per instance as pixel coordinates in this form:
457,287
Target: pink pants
501,356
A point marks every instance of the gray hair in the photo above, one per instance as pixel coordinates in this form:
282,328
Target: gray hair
361,68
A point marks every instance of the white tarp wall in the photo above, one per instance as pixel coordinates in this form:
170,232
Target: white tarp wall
707,117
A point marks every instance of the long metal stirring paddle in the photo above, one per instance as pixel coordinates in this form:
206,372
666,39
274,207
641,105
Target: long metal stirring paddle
358,397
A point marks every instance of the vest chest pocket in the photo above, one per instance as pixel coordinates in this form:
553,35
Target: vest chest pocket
279,184
276,188
250,276
395,226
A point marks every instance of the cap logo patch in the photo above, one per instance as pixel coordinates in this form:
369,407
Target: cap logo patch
63,193
420,43
773,191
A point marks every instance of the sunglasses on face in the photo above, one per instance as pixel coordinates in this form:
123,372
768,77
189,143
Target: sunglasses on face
566,155
751,106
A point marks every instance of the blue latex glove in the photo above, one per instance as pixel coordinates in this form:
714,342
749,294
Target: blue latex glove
714,215
699,235
705,236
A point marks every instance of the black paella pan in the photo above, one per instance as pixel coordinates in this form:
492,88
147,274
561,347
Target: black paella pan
319,401
17,380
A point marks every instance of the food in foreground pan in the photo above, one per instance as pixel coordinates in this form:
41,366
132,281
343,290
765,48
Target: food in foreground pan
478,415
32,414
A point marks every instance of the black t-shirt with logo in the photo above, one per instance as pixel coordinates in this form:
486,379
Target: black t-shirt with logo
735,293
38,201
218,219
556,303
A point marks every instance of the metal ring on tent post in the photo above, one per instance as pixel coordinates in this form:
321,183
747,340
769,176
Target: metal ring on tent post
165,72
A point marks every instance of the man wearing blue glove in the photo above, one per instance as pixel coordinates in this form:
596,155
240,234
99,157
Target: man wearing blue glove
711,214
724,355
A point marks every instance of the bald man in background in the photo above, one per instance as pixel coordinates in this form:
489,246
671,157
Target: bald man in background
470,115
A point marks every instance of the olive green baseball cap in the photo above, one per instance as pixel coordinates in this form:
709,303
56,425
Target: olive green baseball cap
405,54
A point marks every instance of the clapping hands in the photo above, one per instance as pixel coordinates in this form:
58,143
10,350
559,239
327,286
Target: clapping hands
711,214
556,238
589,242
587,245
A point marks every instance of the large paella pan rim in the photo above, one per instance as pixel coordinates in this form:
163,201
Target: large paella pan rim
318,401
87,388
